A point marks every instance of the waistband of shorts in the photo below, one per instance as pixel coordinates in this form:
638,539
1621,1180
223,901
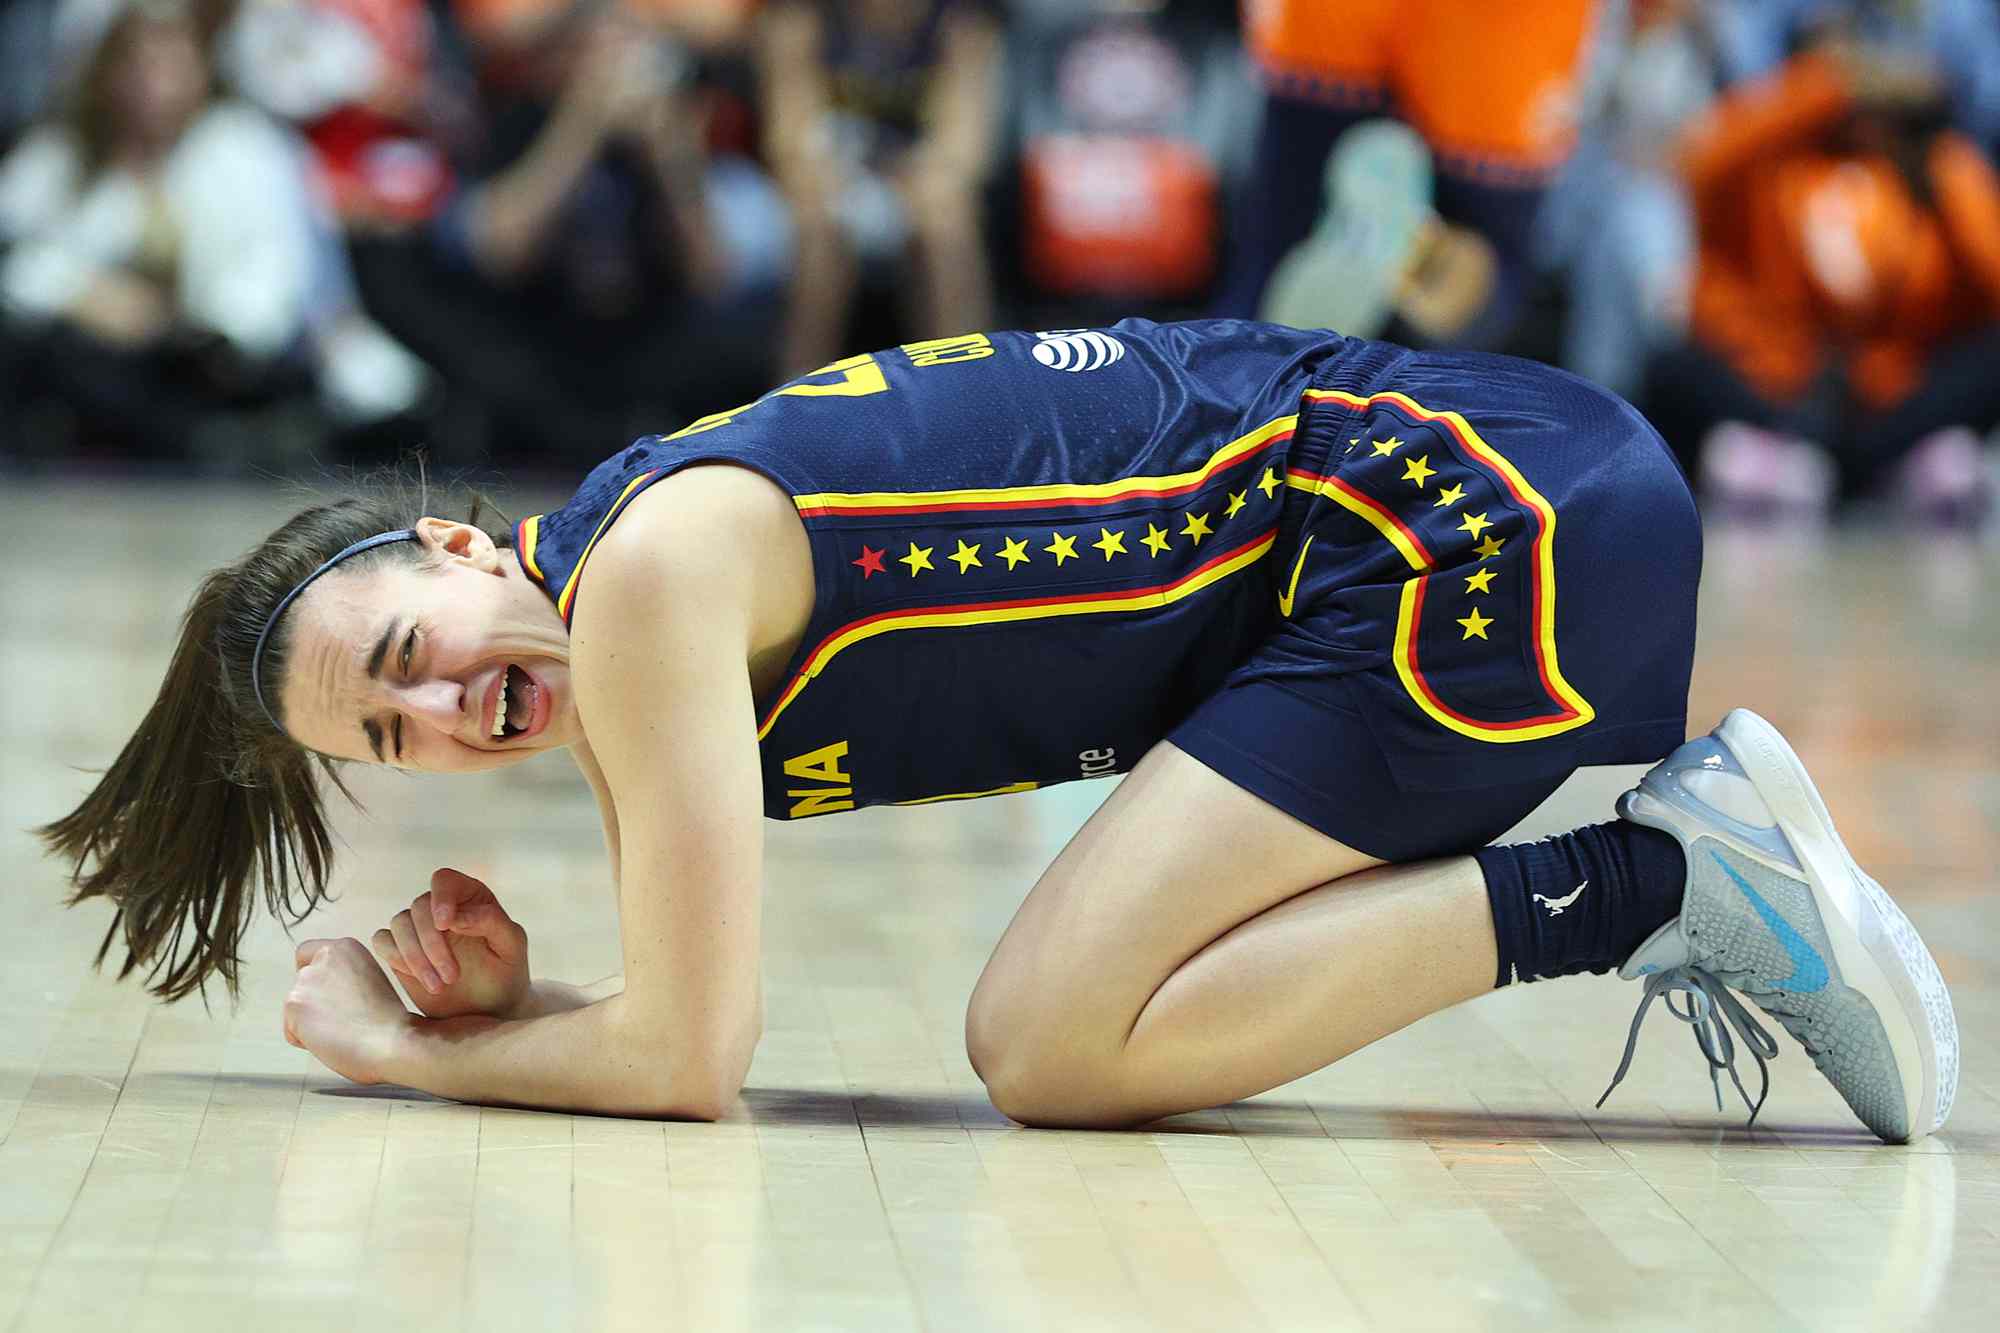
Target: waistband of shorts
1361,368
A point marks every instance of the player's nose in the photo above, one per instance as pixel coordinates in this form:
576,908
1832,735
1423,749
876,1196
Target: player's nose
440,703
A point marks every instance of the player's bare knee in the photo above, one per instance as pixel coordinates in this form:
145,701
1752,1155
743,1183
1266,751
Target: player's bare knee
992,1028
1030,1066
1050,1094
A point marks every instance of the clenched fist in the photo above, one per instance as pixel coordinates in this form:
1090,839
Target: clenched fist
456,950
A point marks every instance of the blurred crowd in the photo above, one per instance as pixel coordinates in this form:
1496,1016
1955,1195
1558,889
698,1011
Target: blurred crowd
256,234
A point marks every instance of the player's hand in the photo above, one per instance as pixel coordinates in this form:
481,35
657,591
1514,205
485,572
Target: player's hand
456,950
343,1010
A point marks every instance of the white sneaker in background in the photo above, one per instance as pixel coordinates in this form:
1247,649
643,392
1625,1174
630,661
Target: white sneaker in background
1344,275
1946,481
1747,471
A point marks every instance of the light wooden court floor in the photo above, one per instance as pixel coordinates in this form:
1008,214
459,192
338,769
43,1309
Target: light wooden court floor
163,1168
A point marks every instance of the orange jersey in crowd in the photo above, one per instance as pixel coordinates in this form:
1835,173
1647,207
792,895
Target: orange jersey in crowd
1807,251
1491,86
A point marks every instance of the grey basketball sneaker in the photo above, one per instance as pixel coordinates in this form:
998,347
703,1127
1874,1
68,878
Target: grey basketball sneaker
1775,908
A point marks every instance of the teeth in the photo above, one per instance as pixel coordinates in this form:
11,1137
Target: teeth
500,706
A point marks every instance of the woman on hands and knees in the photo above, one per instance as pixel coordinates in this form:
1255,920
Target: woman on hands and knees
1305,588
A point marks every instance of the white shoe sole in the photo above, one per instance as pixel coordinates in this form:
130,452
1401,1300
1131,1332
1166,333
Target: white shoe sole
1877,949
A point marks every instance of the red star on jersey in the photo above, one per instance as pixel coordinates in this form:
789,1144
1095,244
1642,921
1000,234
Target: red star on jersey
870,561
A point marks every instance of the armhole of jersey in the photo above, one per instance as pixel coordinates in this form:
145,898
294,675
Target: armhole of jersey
785,476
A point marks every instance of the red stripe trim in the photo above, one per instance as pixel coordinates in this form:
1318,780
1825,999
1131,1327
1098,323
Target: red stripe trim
1049,502
1388,515
1417,672
1468,454
964,608
1534,568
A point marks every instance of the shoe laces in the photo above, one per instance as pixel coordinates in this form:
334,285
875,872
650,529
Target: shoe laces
1712,1012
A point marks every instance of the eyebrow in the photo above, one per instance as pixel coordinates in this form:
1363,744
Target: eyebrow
381,650
368,727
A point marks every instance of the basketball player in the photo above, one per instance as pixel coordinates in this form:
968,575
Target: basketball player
1344,611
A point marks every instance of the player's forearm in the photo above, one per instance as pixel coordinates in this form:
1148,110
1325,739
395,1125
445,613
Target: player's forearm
546,995
590,1059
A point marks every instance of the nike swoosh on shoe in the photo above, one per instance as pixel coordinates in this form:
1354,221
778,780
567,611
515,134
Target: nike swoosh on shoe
1809,972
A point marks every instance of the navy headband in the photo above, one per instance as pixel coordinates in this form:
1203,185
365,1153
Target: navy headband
257,654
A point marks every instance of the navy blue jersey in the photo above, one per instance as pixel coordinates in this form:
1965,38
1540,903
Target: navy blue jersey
1033,553
1037,555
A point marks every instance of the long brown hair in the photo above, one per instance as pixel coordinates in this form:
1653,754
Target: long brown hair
208,802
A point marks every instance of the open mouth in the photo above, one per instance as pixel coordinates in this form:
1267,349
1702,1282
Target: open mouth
517,705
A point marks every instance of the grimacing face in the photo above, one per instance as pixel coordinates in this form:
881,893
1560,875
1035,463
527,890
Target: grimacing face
408,662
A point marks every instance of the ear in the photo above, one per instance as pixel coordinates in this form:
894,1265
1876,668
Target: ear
459,542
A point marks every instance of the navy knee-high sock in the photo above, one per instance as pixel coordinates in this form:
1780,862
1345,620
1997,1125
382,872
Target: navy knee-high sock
1581,902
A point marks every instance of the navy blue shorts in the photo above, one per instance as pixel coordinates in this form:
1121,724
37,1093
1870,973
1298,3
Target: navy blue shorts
1486,572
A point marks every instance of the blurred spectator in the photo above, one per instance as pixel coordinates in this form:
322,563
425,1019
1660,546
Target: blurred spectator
1128,118
354,76
1617,224
1846,291
1961,38
583,283
155,277
1491,88
350,75
878,123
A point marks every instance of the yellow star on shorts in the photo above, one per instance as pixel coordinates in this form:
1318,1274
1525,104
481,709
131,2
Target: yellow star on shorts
1062,548
1383,448
1236,502
1474,524
1014,551
1450,495
1480,582
966,556
1488,547
1112,543
1270,483
1197,527
1155,539
1419,470
1475,624
918,558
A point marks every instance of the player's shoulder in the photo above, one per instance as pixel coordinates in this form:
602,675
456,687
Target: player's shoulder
706,526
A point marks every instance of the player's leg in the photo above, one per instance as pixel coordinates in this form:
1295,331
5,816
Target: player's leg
1142,976
1115,998
1195,944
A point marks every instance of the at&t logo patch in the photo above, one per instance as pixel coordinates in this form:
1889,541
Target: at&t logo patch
1077,349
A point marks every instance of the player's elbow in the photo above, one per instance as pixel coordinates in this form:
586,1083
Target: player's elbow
703,1082
706,1106
706,1091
